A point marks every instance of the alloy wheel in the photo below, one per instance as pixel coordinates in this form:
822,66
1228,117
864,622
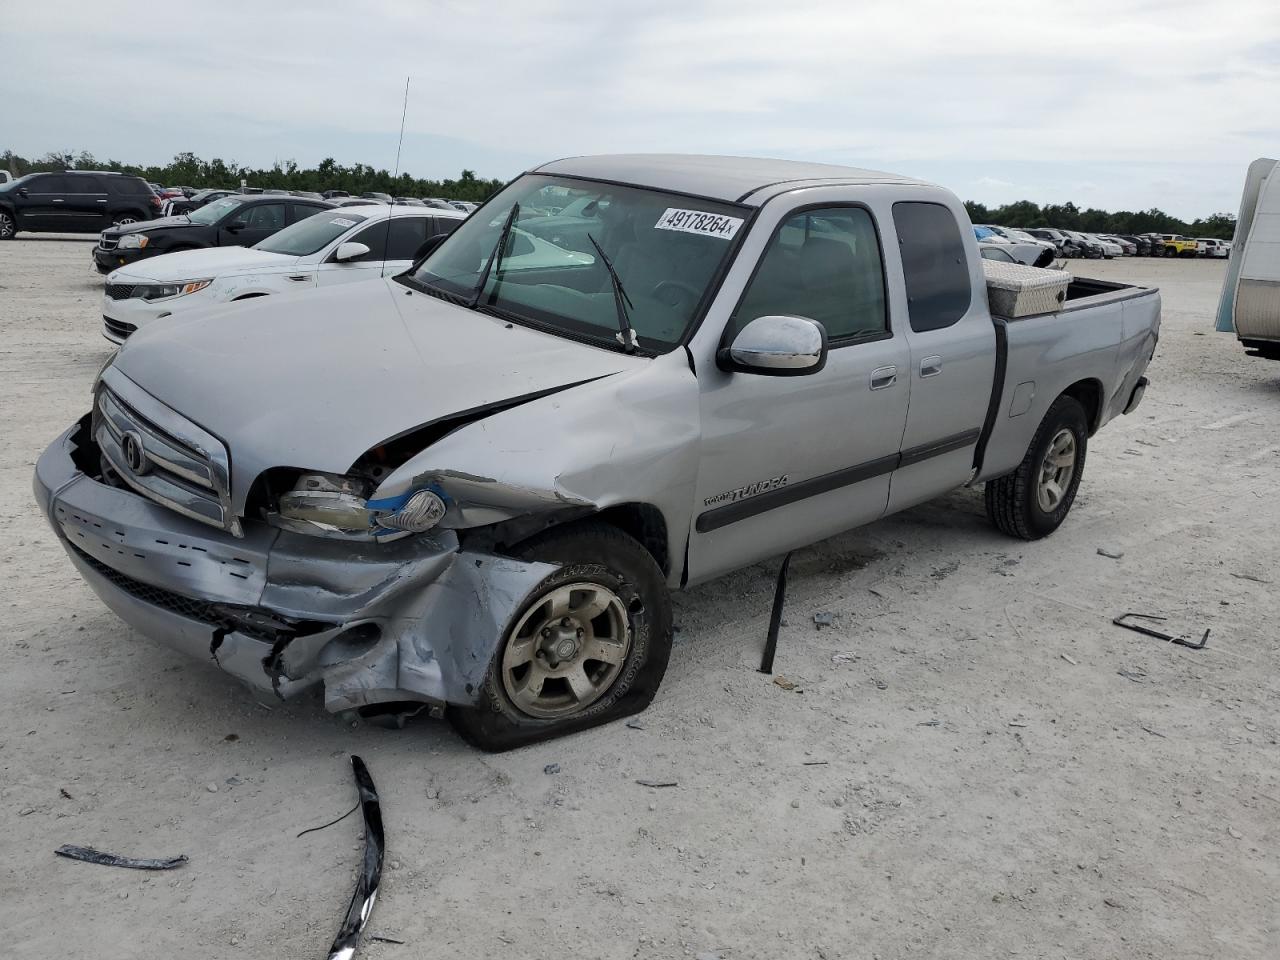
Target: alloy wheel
1056,470
566,650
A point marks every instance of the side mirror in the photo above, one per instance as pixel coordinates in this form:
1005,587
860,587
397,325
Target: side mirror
22,192
233,227
778,346
350,250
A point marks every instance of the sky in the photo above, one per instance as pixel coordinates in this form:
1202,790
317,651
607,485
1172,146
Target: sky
1123,104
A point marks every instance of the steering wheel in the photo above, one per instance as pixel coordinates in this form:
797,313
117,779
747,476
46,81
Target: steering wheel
682,290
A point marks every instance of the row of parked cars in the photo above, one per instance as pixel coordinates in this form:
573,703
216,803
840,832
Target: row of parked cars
89,201
1095,246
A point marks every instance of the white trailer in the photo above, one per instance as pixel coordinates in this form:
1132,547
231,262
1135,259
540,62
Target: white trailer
1250,301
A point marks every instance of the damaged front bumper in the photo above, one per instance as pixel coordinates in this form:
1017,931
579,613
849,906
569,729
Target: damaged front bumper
417,620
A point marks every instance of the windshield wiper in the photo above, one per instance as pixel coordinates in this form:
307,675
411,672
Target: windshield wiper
626,334
495,258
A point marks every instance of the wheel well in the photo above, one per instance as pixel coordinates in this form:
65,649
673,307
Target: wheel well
1089,394
644,524
248,296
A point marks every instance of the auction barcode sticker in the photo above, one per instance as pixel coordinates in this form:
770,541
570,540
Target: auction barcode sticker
342,222
695,221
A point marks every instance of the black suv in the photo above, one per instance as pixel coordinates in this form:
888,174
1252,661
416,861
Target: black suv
76,201
238,220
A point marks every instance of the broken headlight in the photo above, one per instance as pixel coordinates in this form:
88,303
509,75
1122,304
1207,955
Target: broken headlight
325,504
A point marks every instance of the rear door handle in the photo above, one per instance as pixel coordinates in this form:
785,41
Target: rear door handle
930,366
883,377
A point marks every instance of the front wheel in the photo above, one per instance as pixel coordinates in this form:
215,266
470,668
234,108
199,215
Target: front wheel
590,643
125,219
1032,502
8,225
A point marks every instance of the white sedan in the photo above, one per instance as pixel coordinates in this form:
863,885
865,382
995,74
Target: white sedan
337,246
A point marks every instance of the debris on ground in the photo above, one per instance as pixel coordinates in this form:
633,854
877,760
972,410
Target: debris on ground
330,823
635,724
551,768
384,939
655,784
929,723
366,891
784,683
1110,554
845,657
823,619
1066,657
1125,620
90,855
775,616
65,795
1137,676
1154,733
1250,577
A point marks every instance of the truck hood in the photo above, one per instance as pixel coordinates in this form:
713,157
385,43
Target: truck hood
209,263
317,379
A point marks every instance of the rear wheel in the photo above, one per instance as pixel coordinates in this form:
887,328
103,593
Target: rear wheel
590,643
1032,502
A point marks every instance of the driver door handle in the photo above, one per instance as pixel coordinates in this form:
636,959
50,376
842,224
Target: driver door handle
930,366
883,377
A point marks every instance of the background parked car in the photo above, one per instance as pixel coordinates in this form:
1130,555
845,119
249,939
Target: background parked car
1089,249
334,194
1176,245
1067,246
187,204
1209,247
234,221
76,201
1110,248
325,249
1031,253
380,197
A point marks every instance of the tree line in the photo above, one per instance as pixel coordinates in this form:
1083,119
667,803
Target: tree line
1067,216
188,170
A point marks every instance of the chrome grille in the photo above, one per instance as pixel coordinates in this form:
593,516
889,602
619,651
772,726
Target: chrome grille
120,291
162,455
108,243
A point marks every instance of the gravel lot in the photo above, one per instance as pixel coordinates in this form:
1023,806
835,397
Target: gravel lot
973,762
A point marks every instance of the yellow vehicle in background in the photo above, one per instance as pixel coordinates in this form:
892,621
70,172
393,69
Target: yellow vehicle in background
1176,245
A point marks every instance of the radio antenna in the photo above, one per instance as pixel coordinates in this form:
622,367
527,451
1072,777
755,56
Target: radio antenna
386,241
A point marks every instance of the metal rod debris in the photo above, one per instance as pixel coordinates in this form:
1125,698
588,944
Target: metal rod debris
775,616
1121,621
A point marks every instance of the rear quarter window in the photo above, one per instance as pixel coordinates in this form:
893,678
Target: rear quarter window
934,265
126,186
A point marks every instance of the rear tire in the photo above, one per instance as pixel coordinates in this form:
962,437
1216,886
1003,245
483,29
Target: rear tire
1032,502
536,689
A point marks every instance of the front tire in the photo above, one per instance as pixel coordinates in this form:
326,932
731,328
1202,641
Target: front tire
1032,502
8,225
589,645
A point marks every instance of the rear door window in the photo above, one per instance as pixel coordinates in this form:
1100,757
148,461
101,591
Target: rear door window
408,234
84,185
50,184
934,265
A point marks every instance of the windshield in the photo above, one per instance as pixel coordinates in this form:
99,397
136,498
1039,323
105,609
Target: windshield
213,212
665,249
310,235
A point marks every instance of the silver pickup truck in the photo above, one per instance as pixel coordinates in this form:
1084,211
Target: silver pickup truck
473,485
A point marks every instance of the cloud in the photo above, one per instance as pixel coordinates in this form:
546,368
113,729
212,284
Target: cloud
1076,91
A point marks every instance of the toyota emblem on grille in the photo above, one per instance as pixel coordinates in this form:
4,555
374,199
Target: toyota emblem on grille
135,455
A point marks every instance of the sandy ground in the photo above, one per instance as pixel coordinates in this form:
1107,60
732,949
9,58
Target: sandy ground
974,762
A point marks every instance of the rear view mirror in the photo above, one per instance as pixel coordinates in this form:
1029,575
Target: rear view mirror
350,250
779,346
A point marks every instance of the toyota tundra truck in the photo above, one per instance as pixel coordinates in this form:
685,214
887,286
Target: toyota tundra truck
470,490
